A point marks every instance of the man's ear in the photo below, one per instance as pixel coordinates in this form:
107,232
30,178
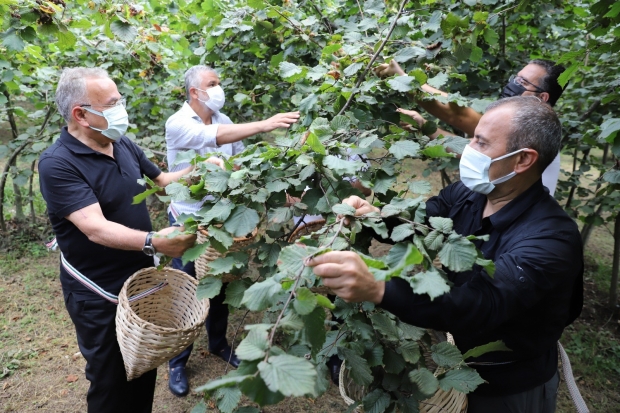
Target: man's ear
78,114
193,93
544,96
526,160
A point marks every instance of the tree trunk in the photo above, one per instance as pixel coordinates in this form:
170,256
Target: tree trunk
613,289
33,214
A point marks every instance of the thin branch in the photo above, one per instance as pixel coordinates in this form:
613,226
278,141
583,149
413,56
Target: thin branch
374,58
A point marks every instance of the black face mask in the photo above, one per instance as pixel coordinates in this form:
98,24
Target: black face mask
512,89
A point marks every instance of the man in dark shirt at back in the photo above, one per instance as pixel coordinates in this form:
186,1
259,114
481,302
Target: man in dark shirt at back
537,289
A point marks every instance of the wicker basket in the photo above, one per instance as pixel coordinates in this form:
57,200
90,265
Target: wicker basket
442,402
306,229
211,254
159,326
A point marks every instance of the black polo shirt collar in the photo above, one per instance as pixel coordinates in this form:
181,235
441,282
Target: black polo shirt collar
504,218
74,144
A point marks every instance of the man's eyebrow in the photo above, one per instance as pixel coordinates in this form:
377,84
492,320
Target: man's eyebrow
114,100
481,139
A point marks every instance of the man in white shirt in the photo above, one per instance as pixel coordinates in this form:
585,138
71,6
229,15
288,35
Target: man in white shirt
199,125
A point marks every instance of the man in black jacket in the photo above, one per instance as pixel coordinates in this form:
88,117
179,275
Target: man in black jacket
537,289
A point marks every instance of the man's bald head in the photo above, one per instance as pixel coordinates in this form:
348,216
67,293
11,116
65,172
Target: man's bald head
533,125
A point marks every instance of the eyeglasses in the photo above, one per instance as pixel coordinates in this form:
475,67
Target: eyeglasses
518,80
121,101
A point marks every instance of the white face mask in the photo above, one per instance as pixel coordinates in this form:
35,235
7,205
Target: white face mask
474,169
118,121
216,98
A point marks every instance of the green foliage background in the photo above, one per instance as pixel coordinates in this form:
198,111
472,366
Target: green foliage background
317,57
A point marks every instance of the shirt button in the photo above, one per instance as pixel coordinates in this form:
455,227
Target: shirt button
522,279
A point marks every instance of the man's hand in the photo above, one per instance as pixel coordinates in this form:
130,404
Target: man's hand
216,161
347,276
413,114
281,120
387,70
173,247
361,206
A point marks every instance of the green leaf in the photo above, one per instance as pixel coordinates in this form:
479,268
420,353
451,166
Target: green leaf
407,53
138,199
235,291
410,351
222,265
178,192
402,232
420,187
425,380
289,375
315,144
222,237
242,221
438,81
609,127
464,380
305,301
344,209
124,31
227,399
324,302
192,254
394,363
226,381
216,181
277,186
340,123
437,151
376,401
342,166
259,296
434,240
402,149
488,265
486,348
201,407
567,74
385,325
353,69
446,354
13,42
458,254
291,259
255,345
256,390
359,370
612,177
256,4
401,83
288,70
308,103
280,215
430,283
66,39
208,287
441,224
314,329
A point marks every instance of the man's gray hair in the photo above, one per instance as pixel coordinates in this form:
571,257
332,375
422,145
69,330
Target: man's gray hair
192,78
534,125
71,88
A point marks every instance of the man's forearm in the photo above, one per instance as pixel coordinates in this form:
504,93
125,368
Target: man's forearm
230,133
460,117
166,178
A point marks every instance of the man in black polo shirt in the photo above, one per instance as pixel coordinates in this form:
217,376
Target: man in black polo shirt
537,289
88,178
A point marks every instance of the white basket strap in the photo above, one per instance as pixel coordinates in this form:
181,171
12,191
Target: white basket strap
573,390
86,282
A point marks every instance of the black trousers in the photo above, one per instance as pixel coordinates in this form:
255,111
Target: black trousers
109,390
217,320
540,399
